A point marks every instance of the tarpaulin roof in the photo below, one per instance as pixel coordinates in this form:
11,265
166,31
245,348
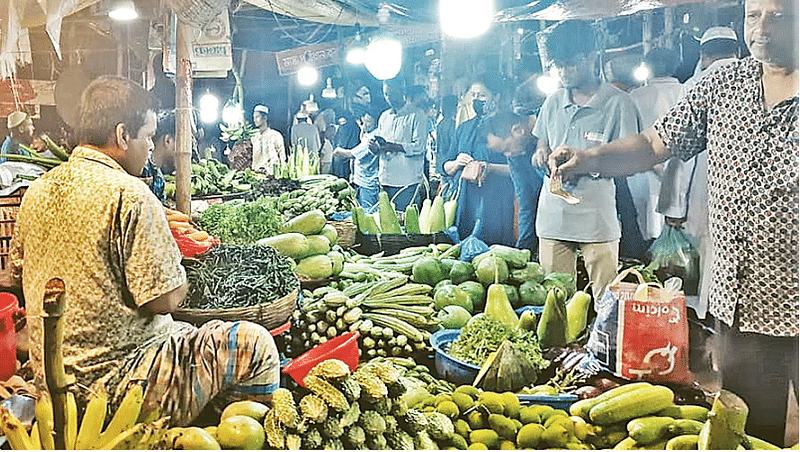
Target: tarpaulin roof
16,16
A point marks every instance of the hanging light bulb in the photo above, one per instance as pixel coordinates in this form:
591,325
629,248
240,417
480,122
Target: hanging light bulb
329,92
356,54
384,58
123,10
642,73
307,75
209,107
465,19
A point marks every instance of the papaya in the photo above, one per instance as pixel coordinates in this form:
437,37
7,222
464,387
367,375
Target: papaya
318,244
532,271
450,295
307,223
291,244
315,267
337,260
331,233
486,269
513,295
515,258
476,292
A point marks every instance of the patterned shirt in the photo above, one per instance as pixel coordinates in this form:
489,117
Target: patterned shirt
104,234
753,194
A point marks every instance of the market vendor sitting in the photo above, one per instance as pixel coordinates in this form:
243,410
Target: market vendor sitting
122,271
20,131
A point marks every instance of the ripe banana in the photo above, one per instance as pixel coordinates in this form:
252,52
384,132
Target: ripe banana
44,417
124,418
93,419
140,436
15,432
35,440
71,429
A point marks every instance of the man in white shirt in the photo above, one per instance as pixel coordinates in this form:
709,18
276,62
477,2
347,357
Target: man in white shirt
653,100
268,147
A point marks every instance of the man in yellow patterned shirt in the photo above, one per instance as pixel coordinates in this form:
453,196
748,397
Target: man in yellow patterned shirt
97,228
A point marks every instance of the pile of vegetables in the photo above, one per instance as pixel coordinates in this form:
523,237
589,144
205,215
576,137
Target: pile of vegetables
308,239
484,335
191,241
271,187
236,276
241,221
434,216
30,155
300,163
325,192
210,177
394,317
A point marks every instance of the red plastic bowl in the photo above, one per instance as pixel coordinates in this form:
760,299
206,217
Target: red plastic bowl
344,348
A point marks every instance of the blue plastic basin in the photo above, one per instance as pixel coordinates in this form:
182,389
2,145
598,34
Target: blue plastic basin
449,368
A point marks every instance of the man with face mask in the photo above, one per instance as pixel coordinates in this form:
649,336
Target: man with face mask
490,200
744,116
400,141
584,113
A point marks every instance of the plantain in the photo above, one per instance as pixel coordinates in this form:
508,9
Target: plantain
124,418
139,436
15,432
71,429
93,419
44,416
35,441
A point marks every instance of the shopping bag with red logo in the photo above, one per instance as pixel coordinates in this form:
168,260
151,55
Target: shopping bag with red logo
641,331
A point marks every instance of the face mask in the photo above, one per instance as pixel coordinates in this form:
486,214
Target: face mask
479,106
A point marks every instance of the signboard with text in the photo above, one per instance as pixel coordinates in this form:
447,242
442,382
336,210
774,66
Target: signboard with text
317,55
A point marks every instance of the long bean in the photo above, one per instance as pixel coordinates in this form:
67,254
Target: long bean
235,276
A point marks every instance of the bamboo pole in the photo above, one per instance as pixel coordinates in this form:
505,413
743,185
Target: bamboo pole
183,117
55,377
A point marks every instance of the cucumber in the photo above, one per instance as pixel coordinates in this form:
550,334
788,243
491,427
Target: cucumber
630,405
649,429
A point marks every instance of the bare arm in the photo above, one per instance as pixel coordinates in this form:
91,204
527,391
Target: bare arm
539,157
450,167
622,157
168,302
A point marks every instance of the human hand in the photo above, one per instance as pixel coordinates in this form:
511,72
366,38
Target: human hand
539,158
374,145
462,159
563,160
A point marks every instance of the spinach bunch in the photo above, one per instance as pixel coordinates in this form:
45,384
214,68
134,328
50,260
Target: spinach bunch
242,222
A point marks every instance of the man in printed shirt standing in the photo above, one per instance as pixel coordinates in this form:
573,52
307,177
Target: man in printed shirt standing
268,146
745,117
400,141
122,272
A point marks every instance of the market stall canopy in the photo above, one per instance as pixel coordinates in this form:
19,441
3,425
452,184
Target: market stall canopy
16,16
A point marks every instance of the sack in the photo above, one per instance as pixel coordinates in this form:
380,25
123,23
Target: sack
641,331
676,256
475,172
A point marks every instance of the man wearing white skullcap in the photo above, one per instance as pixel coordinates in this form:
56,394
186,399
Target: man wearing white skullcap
268,143
20,129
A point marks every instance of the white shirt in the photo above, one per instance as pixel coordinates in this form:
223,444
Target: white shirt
268,149
409,128
653,101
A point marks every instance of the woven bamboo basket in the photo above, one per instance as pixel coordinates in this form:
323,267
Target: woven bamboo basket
269,315
346,230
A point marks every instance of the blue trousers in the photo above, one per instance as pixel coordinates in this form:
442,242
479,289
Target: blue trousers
527,182
405,198
367,197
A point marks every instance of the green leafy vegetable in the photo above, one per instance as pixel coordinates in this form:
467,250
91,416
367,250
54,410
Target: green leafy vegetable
242,222
483,336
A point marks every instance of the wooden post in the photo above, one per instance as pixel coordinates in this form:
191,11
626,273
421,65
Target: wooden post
55,377
183,118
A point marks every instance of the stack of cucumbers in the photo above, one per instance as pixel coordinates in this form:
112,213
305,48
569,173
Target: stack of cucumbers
323,192
394,316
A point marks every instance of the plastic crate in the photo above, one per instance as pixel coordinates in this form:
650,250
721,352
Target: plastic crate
559,402
447,367
389,244
9,208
